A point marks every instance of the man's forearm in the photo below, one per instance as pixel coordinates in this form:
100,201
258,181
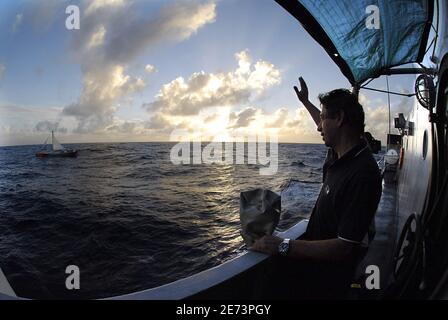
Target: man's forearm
313,110
332,250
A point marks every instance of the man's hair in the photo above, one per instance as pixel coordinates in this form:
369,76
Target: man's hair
343,99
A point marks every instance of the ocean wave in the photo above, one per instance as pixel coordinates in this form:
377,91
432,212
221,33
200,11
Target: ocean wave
298,164
118,208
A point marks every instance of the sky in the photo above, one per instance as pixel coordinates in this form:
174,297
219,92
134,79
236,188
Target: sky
139,70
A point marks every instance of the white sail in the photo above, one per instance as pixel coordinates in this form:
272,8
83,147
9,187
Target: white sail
56,145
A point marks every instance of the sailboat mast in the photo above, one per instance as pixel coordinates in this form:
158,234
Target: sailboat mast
52,139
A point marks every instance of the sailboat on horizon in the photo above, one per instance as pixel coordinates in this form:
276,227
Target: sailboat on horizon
57,149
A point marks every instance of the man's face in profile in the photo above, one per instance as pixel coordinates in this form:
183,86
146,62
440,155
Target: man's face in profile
327,127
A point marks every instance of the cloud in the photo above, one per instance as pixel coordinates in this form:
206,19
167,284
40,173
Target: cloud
2,70
159,122
211,118
175,22
279,118
102,88
96,5
125,127
223,124
21,124
97,37
377,118
150,68
290,126
48,126
202,90
297,126
243,118
17,22
111,37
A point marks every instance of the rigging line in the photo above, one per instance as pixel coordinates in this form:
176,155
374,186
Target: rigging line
388,99
396,93
433,28
436,28
434,39
430,45
370,80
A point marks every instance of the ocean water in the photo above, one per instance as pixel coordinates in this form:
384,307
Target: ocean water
129,218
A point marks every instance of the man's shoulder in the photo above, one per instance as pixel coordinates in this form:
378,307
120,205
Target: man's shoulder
365,168
370,162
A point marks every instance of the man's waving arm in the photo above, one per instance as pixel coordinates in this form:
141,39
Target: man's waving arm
303,97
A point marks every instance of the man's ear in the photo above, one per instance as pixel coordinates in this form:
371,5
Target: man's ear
340,118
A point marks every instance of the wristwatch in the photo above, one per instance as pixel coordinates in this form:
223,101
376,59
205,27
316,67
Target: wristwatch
283,247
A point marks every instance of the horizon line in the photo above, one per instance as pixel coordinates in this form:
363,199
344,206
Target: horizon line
119,142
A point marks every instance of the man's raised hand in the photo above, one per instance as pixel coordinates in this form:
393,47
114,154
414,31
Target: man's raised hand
303,93
303,97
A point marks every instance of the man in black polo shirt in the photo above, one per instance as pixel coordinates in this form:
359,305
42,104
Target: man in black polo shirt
337,232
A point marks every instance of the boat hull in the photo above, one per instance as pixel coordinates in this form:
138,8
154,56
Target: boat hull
63,154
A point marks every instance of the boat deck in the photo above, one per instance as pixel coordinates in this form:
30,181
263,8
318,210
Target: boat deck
381,249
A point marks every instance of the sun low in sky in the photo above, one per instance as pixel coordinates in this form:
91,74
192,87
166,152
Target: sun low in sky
137,70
